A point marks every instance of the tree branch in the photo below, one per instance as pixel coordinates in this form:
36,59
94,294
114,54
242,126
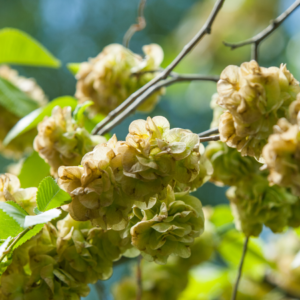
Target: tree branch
13,243
210,138
265,33
208,132
141,24
130,109
240,269
206,29
139,279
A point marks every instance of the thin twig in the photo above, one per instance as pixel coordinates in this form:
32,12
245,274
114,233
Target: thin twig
266,32
210,138
240,269
206,29
208,132
141,24
139,279
130,109
15,240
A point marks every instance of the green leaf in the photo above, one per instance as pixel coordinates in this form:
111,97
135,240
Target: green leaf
33,170
222,215
50,195
42,218
35,117
15,100
73,67
14,212
8,226
211,278
17,47
36,211
78,114
28,235
17,206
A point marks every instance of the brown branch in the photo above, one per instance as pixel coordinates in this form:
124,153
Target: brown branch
130,109
208,132
234,294
139,279
206,29
141,24
265,33
210,138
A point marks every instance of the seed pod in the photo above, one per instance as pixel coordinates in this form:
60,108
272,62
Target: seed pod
254,99
61,142
168,228
115,74
282,155
254,203
229,165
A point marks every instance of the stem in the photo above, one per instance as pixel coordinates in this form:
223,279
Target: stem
208,132
131,108
254,54
141,24
206,29
139,279
240,269
266,32
210,138
15,240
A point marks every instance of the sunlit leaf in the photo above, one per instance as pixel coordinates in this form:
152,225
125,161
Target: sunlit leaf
14,212
17,47
29,234
14,100
33,171
42,218
8,226
50,195
35,117
205,282
221,215
73,67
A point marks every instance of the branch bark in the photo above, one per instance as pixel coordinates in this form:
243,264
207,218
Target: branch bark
264,33
206,29
139,282
210,138
208,132
131,108
234,294
141,24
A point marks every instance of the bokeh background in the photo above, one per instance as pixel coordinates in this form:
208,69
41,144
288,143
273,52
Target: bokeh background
74,30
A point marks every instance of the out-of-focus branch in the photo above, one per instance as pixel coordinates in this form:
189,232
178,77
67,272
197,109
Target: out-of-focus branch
139,279
130,109
141,24
208,132
210,138
206,29
255,41
234,294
